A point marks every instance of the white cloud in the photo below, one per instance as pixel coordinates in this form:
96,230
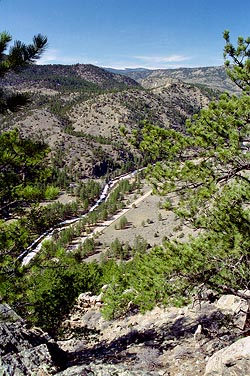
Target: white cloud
162,59
53,56
49,56
149,62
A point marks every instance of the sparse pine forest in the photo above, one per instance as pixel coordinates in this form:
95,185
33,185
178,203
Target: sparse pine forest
198,151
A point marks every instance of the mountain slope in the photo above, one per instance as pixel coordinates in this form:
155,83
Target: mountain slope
80,111
67,77
212,77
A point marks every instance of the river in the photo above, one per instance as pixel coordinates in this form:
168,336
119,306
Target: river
32,250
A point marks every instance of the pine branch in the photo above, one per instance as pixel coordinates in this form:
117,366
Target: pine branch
20,54
5,38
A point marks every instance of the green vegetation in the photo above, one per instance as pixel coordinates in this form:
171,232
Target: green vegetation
19,56
123,223
87,192
51,192
237,61
64,82
22,161
207,166
52,291
141,281
83,227
45,290
22,171
69,78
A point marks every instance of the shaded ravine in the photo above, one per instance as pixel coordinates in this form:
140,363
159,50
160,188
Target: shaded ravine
32,250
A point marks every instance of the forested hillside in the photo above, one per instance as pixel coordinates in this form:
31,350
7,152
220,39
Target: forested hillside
67,78
69,131
87,115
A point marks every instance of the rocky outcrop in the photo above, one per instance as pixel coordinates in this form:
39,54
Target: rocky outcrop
170,341
234,360
235,307
102,370
33,361
25,351
200,339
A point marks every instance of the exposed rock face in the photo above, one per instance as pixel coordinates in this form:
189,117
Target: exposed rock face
231,361
101,370
235,306
8,314
171,341
36,361
25,351
200,339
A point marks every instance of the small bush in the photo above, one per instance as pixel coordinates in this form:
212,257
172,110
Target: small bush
123,223
51,192
168,205
31,192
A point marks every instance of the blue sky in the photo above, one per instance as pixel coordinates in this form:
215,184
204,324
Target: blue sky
132,33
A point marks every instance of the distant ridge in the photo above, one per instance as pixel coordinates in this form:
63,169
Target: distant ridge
213,77
77,76
80,111
87,76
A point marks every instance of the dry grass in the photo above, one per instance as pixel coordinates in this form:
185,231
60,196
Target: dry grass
148,220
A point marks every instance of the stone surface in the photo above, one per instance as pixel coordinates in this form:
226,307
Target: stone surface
234,360
8,314
171,341
26,351
235,306
29,362
102,370
165,341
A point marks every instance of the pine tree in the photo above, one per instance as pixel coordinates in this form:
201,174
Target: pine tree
22,169
19,56
21,160
207,167
237,61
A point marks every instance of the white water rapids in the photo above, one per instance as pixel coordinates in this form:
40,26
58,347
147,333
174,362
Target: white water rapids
36,246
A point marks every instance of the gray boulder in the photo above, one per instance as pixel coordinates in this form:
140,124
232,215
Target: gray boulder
103,370
234,306
8,314
26,351
234,360
36,361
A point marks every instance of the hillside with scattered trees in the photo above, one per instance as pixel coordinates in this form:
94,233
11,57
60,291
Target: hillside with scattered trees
81,127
